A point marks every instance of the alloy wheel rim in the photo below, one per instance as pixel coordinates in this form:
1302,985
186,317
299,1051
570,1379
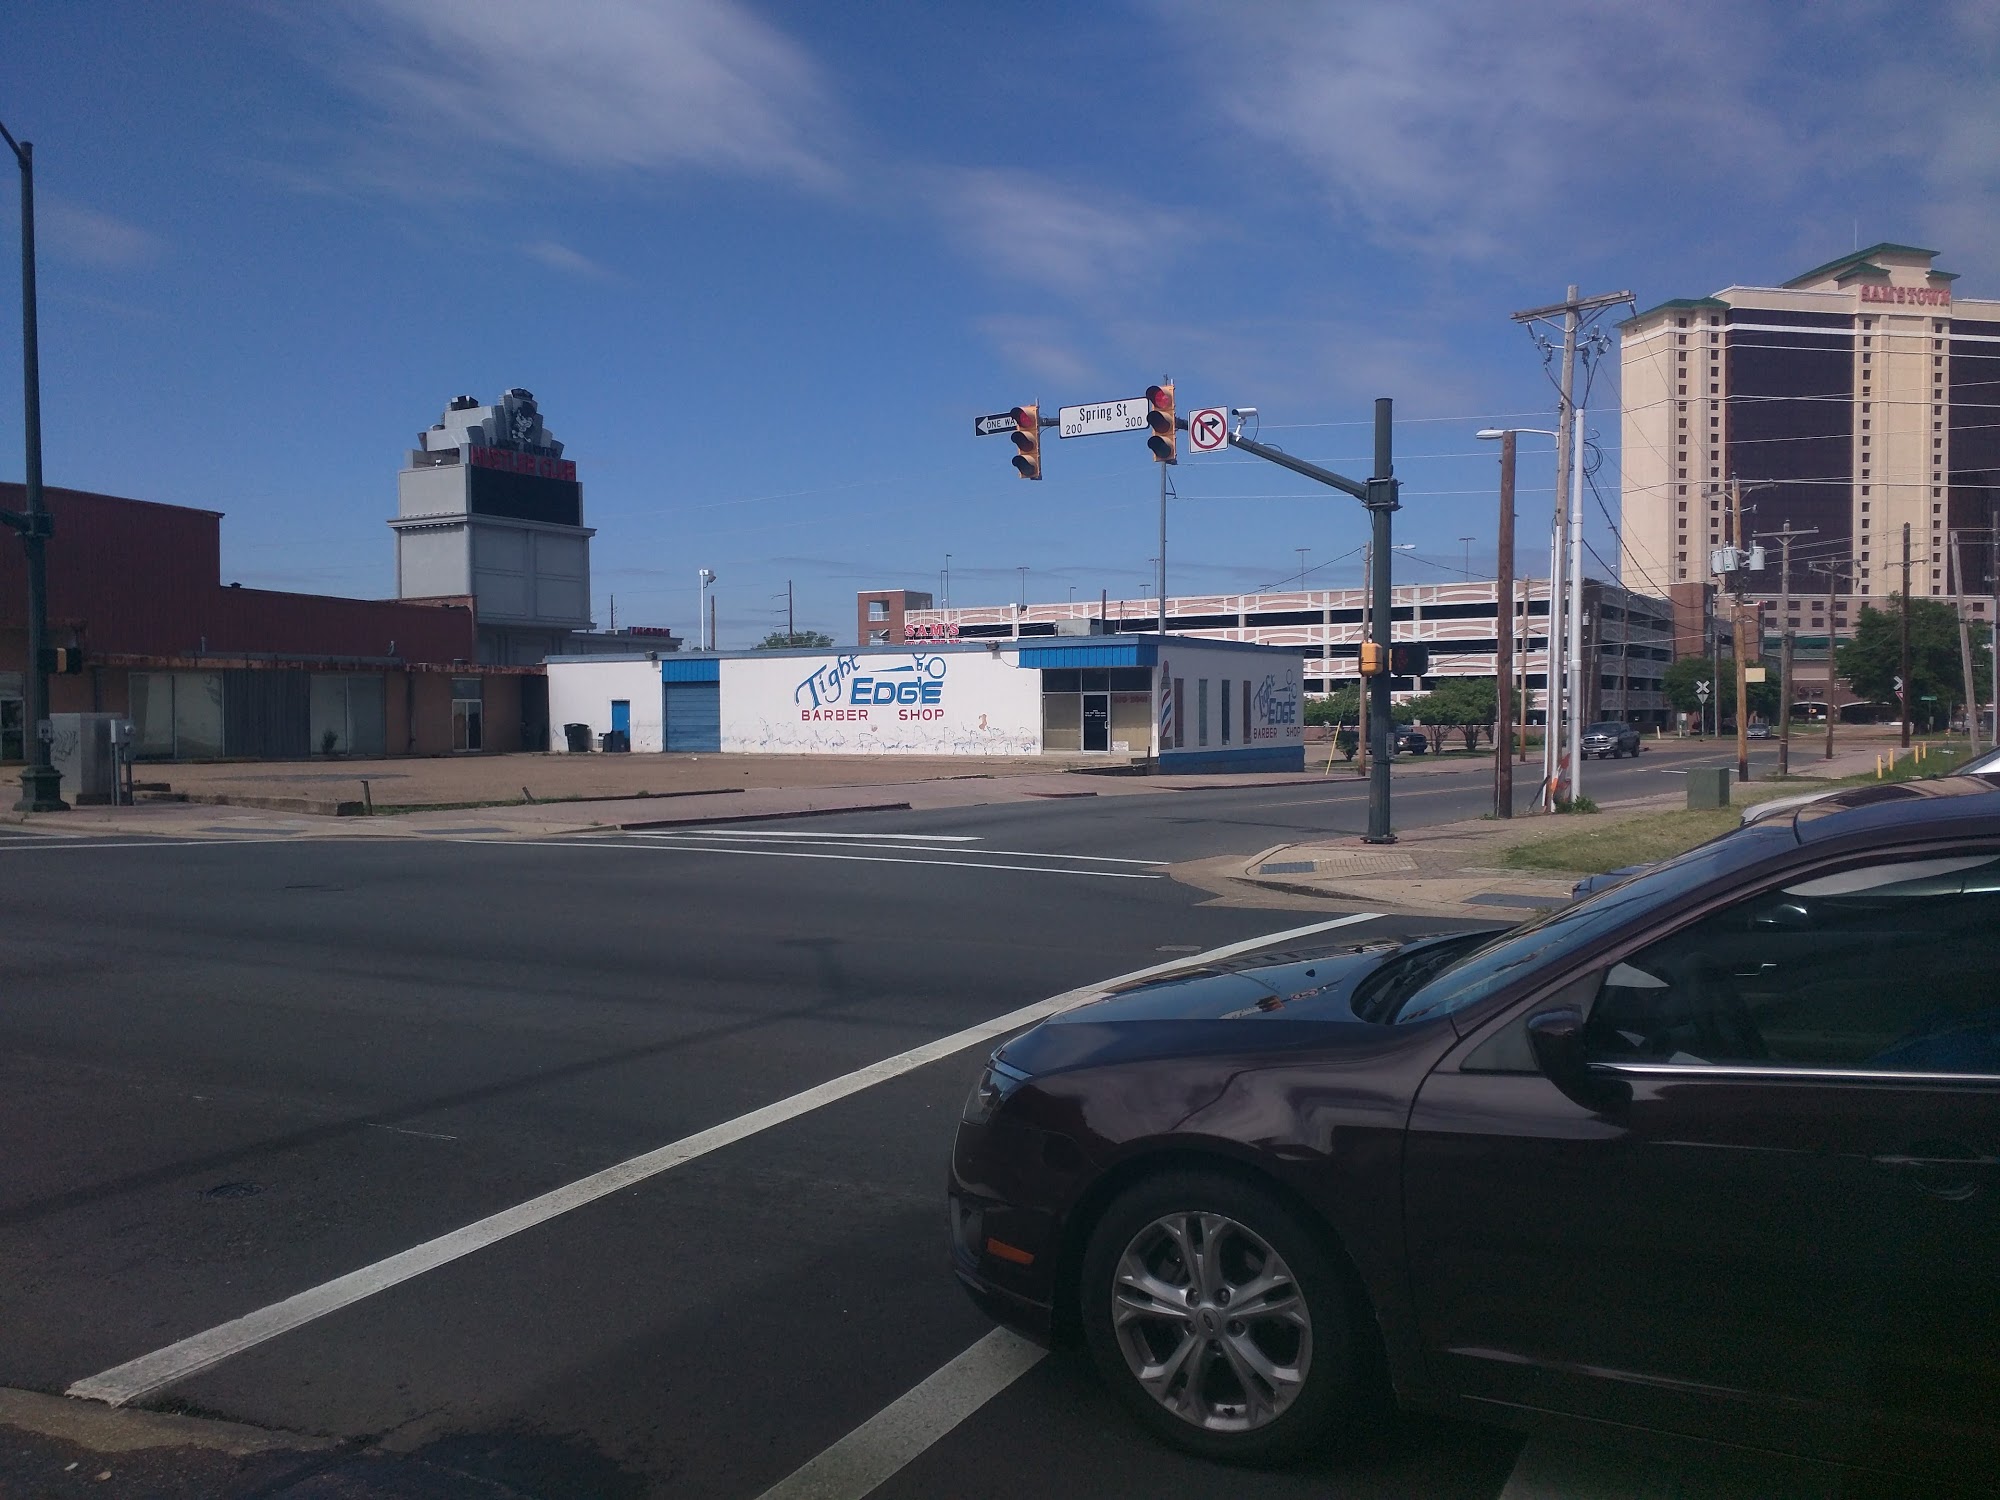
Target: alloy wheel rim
1211,1322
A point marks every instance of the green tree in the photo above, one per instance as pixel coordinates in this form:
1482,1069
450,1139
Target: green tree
1340,707
794,640
1873,659
1681,678
1466,704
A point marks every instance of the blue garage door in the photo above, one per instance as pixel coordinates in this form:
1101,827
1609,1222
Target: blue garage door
693,712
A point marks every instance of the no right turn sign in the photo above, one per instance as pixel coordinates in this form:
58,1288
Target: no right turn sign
1208,429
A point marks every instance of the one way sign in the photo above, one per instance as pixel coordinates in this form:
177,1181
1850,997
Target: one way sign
999,421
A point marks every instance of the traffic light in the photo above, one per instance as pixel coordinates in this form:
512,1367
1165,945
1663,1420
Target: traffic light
1371,658
1161,420
1409,660
1028,439
62,661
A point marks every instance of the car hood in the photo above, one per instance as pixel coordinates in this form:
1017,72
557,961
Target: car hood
1210,1009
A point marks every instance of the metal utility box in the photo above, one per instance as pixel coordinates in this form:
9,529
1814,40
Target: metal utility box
84,752
1708,786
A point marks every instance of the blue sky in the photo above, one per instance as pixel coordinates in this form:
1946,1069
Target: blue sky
763,263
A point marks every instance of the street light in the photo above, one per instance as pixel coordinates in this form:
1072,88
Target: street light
704,636
41,783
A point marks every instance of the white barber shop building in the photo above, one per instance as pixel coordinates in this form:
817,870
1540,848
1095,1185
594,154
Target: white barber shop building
1185,705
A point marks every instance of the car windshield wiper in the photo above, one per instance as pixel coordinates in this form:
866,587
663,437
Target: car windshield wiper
1378,997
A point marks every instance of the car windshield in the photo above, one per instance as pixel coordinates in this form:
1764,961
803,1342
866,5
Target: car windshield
1489,967
1377,997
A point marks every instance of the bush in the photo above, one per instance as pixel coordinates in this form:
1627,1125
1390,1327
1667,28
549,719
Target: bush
1347,741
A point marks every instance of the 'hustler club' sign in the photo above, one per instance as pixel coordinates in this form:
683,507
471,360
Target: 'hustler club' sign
537,464
1922,296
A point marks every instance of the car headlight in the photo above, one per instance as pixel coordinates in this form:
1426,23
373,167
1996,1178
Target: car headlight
995,1084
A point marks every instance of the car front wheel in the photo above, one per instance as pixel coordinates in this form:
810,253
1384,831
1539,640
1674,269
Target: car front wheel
1219,1320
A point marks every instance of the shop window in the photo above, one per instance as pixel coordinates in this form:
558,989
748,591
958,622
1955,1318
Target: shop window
346,714
177,715
13,717
1201,712
1225,710
878,609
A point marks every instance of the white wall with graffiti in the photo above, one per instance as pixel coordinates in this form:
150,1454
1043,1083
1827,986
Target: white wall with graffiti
950,701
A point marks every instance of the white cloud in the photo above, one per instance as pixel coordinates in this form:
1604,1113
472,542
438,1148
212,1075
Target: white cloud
672,84
1468,130
560,257
1072,243
1040,346
84,234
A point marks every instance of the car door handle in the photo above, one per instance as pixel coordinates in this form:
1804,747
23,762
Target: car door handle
1943,1169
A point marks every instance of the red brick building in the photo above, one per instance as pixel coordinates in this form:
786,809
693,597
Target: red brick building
208,670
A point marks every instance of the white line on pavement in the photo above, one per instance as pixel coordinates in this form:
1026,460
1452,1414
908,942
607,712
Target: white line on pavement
164,1367
660,846
866,841
912,1422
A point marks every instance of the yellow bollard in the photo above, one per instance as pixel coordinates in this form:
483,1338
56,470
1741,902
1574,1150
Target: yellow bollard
1878,765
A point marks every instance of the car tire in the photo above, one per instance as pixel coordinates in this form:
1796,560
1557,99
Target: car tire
1201,1401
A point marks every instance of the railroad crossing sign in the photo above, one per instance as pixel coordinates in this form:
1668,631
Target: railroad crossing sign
999,421
1208,429
1701,691
1103,416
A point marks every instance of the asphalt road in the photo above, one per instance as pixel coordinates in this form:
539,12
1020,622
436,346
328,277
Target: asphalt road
235,1072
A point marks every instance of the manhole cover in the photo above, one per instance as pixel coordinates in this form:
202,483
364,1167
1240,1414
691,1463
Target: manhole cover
232,1190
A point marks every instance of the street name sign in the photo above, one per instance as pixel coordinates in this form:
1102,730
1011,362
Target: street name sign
1103,416
999,421
1208,429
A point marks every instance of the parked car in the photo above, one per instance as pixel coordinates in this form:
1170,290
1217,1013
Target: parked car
1608,740
1715,1152
1759,732
1412,742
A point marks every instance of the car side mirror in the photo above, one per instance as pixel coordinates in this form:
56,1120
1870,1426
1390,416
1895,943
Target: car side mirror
1556,1038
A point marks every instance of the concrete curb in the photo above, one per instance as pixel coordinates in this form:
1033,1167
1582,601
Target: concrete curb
761,817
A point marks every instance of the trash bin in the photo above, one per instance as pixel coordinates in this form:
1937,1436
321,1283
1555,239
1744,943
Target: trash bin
578,736
1708,786
616,741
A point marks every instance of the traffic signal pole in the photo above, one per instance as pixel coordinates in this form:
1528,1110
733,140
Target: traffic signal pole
1379,493
41,783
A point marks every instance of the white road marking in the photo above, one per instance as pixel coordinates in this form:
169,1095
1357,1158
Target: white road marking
912,1422
866,859
865,841
190,1356
429,1135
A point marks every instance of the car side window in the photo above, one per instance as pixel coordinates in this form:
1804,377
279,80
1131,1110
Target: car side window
1892,965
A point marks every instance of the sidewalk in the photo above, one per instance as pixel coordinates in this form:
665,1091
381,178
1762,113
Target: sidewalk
1457,869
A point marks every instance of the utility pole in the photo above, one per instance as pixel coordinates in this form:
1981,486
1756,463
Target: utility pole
1785,538
1468,540
1503,631
1569,439
1965,646
41,783
1739,641
1832,642
1302,551
1163,555
1905,612
791,625
713,644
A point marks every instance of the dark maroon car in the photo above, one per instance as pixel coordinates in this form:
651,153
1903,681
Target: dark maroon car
1713,1153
